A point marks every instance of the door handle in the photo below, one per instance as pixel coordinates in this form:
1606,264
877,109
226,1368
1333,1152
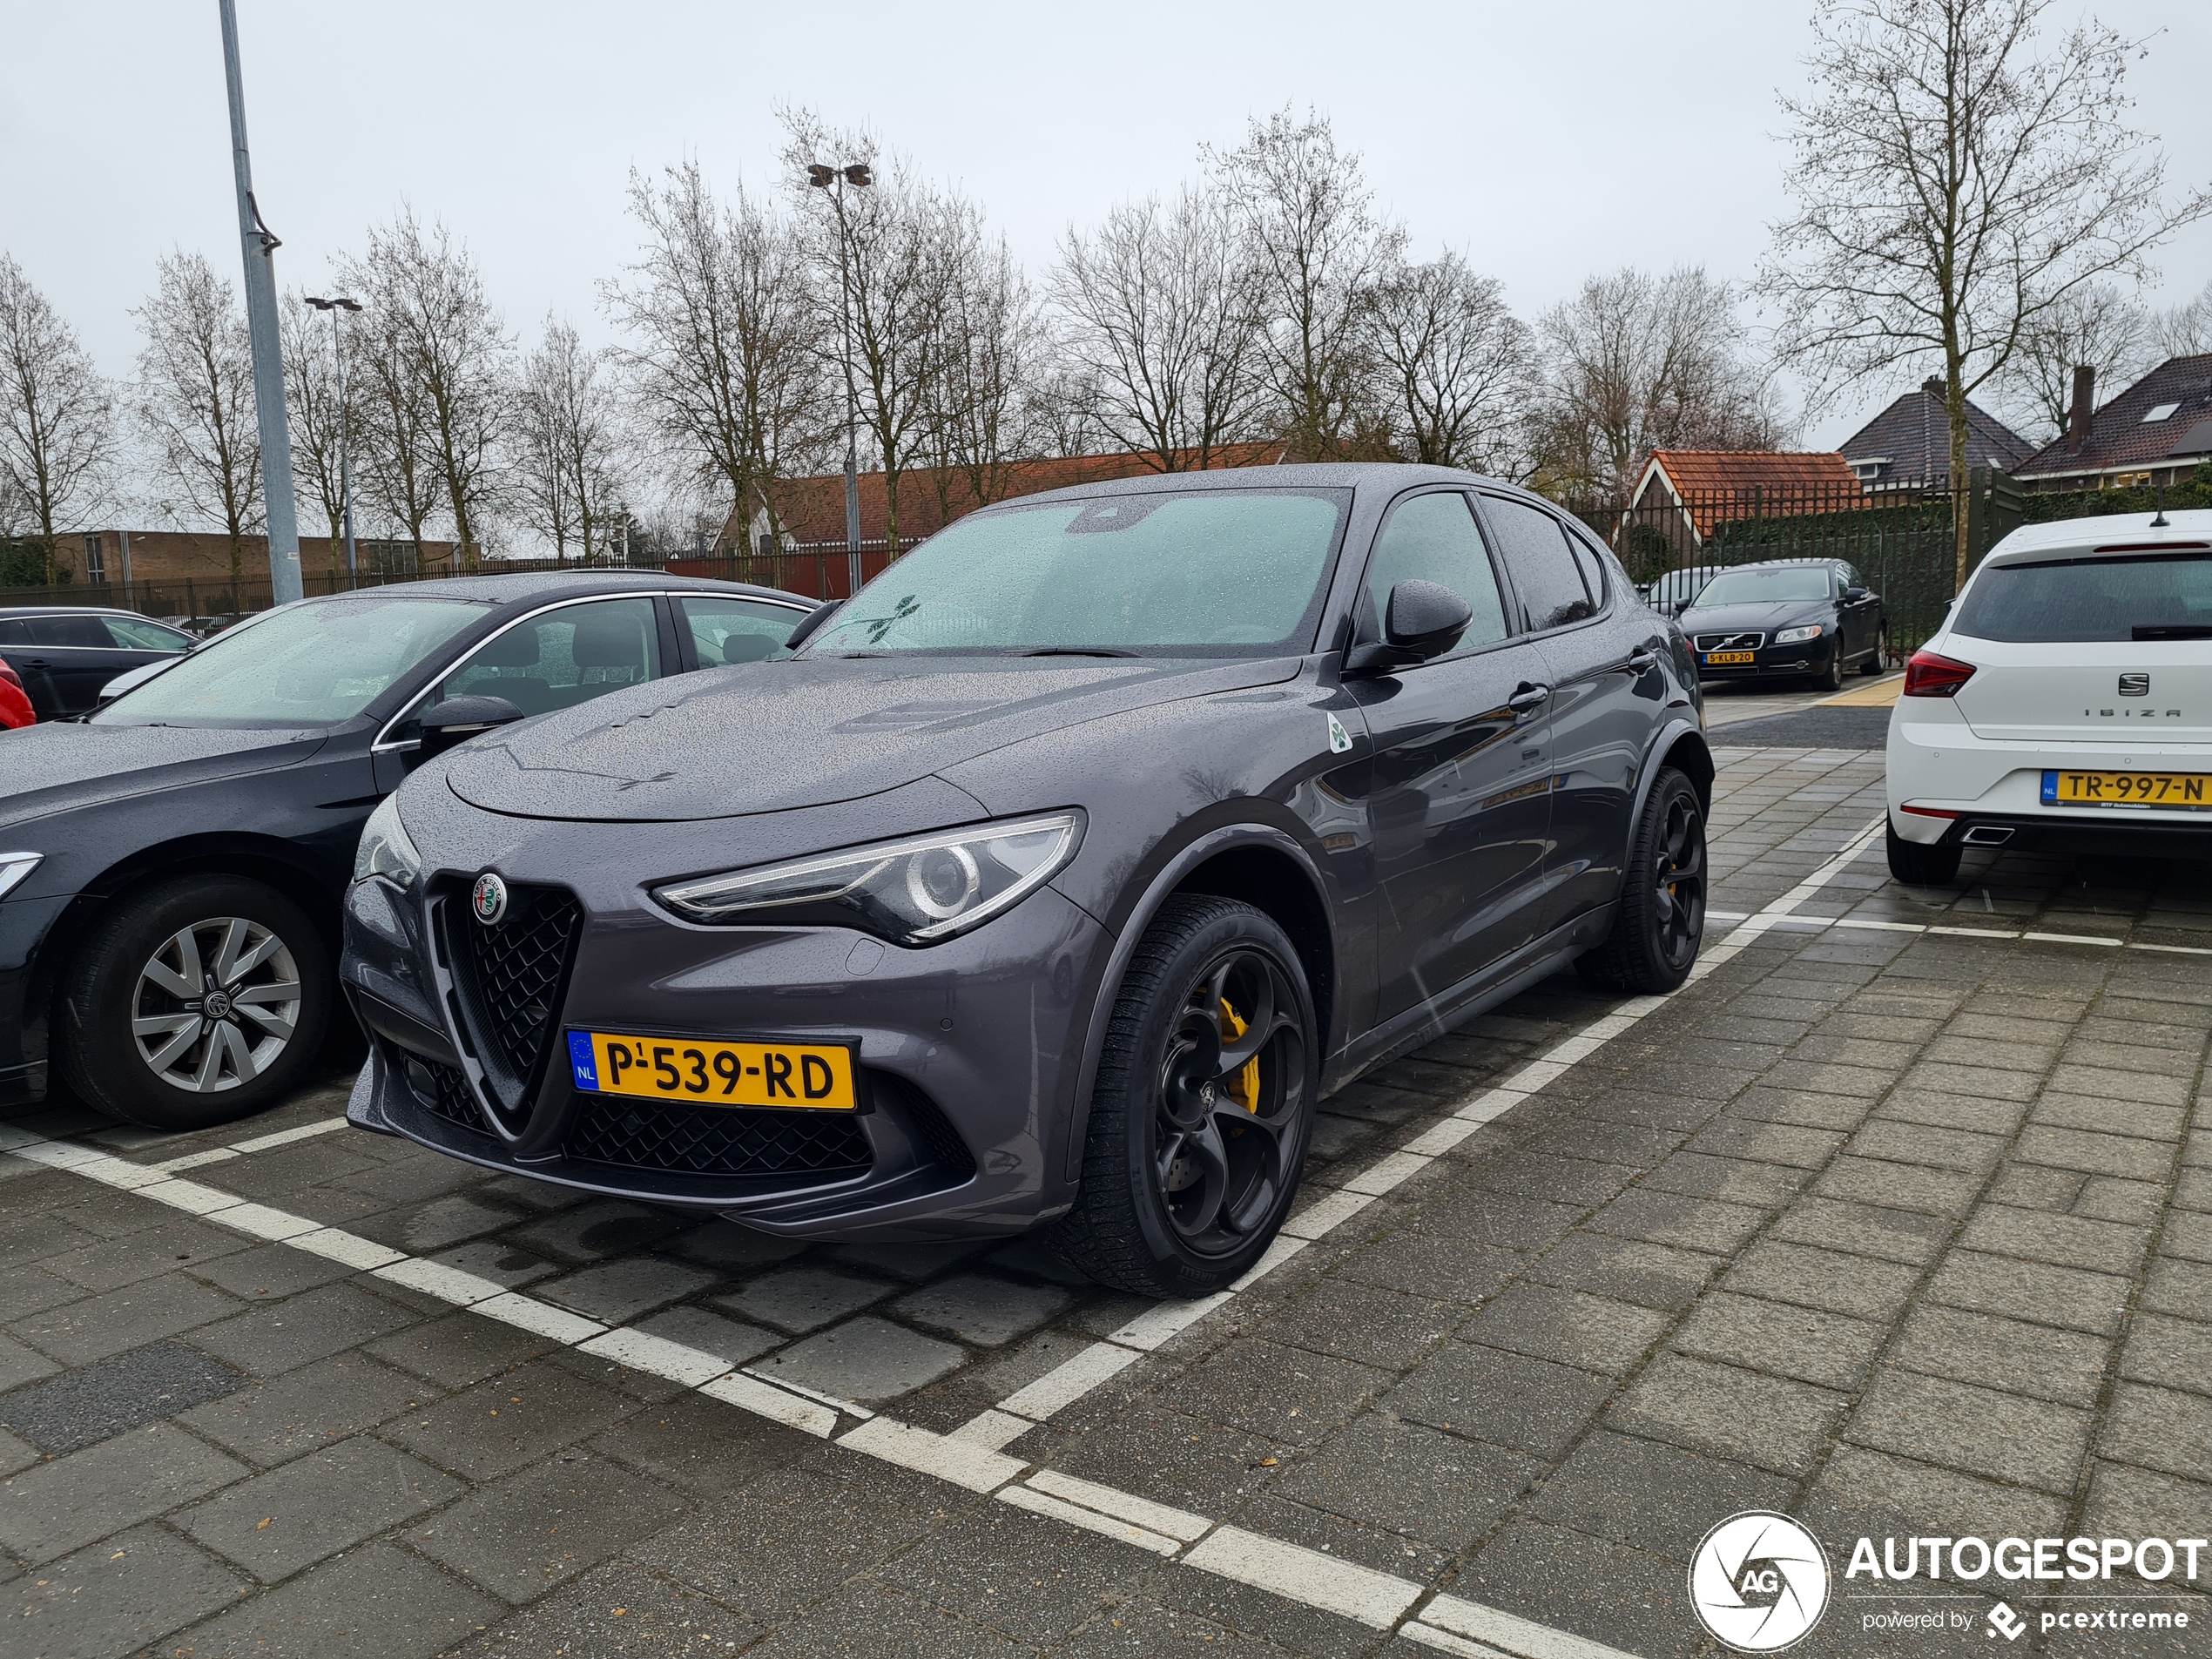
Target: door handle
38,662
1528,697
1640,661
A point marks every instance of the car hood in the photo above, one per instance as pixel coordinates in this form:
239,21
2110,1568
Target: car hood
769,737
1767,614
61,766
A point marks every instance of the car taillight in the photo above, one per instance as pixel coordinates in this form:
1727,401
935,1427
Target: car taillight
1929,675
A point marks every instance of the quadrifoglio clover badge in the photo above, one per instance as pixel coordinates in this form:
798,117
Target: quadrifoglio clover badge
1759,1581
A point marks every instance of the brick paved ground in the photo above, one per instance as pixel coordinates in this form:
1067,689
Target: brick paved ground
1901,1231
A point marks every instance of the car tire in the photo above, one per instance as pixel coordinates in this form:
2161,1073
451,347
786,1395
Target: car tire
1660,922
1880,659
1191,1159
1830,678
127,1039
1918,866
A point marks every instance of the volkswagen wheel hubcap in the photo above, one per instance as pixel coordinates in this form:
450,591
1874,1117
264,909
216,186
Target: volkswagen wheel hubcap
216,1005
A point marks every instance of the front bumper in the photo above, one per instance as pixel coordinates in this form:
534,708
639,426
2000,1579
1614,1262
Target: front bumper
1987,792
26,926
1808,657
967,1049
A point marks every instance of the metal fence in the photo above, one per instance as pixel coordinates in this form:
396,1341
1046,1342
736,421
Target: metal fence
1899,537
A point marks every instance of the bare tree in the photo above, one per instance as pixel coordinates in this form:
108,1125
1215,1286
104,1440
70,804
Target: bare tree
444,344
195,397
317,419
881,250
392,413
2186,331
1954,183
58,427
722,327
568,442
1161,329
1636,363
1459,370
1316,248
2095,325
986,412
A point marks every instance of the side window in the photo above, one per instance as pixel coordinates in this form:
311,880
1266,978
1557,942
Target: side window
726,630
14,630
1591,567
70,631
1434,538
1544,573
131,634
555,661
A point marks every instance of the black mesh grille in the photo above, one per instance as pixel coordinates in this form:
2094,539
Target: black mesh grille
511,978
933,1134
644,1135
444,1091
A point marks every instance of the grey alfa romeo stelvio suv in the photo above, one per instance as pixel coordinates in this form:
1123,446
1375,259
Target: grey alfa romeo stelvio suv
1053,878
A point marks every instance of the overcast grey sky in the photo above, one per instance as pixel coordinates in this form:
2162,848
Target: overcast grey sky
1549,141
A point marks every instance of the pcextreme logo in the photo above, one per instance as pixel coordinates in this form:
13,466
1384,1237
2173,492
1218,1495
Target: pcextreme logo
1759,1581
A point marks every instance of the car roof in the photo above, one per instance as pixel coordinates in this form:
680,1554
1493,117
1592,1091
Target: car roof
11,612
1781,564
2108,532
1379,477
523,585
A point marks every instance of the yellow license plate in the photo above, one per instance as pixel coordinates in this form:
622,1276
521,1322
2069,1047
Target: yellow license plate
2182,791
702,1071
1722,656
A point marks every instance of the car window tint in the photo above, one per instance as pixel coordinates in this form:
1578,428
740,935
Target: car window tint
1543,569
131,634
724,630
14,630
1592,568
1434,538
2080,600
564,657
70,631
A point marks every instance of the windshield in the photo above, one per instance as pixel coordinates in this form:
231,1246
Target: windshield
2159,596
1759,587
313,664
1222,573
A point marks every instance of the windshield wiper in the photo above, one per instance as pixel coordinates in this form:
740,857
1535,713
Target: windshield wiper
1073,650
2171,630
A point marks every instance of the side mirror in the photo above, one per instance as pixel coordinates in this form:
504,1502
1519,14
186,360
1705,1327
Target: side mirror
1852,596
459,719
813,623
1422,620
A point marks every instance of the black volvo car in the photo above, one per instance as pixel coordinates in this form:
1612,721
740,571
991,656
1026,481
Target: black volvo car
1788,619
1055,877
170,872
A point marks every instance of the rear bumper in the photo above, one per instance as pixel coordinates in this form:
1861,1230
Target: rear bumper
1947,786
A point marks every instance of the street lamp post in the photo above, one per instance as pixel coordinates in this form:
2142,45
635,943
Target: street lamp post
345,421
834,179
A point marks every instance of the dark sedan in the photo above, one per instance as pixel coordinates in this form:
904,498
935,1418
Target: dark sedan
1788,619
1052,878
63,655
170,870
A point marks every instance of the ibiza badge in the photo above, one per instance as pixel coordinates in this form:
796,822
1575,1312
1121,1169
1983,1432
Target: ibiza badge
488,899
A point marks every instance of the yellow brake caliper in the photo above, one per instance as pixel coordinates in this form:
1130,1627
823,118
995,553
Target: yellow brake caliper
1243,1088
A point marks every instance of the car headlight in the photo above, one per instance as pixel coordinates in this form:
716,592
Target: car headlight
15,866
1794,635
916,891
385,849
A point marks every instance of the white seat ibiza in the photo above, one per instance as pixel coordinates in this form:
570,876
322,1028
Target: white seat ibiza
2065,702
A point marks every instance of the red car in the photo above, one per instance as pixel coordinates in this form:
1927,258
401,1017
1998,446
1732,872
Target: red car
15,702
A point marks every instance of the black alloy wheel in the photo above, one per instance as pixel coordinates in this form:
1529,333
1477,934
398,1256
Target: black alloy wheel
1203,1105
195,1001
1661,922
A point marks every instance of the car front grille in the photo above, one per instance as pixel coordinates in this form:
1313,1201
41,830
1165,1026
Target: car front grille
646,1134
1729,642
508,980
443,1092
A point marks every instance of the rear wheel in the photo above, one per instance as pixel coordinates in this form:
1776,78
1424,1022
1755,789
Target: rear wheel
1203,1105
1661,921
195,1002
1921,866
